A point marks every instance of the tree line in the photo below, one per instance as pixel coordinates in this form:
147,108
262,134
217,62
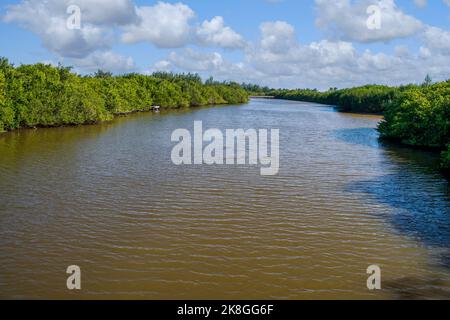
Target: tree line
415,115
44,95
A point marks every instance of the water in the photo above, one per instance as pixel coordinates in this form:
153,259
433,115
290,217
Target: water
108,198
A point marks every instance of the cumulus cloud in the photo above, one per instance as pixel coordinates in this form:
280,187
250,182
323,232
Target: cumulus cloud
278,36
279,45
170,26
49,21
347,20
103,22
165,25
105,12
105,60
437,40
207,64
87,48
319,64
108,12
215,33
195,61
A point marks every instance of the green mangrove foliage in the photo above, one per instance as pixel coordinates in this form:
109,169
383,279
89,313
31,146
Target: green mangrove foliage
420,116
367,99
44,95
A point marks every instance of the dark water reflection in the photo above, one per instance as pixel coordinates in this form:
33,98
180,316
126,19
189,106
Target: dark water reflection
414,186
422,213
109,199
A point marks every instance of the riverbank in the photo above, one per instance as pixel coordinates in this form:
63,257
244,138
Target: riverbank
45,96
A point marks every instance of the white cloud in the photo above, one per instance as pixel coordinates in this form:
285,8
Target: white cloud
106,12
278,36
437,40
165,25
279,52
338,63
104,60
109,12
196,61
318,64
48,19
421,3
424,53
401,51
87,48
170,26
207,64
347,20
215,33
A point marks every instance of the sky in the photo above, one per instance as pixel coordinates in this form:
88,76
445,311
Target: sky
277,43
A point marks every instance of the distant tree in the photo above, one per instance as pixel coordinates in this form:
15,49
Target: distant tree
103,74
209,81
64,72
428,81
4,64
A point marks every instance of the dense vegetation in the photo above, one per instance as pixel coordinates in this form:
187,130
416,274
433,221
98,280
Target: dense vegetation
420,116
43,95
415,115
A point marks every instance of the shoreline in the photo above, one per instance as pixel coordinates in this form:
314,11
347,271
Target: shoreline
115,116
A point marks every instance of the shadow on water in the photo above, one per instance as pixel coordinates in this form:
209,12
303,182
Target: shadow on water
411,184
410,288
421,205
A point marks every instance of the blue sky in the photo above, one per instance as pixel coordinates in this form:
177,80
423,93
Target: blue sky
280,43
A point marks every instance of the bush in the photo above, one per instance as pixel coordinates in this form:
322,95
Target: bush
80,103
420,117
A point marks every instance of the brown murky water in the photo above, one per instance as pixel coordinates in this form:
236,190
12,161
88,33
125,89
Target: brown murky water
109,199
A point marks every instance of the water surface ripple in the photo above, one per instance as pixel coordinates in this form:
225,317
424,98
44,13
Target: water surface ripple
109,199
